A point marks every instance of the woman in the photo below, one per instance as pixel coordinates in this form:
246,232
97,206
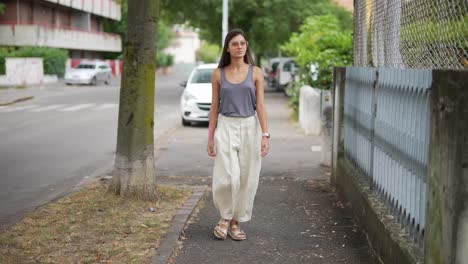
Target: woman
238,134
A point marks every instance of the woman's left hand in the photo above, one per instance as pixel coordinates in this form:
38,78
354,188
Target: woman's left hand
265,146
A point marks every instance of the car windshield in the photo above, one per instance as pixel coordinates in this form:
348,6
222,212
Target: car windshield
274,66
86,66
202,76
288,65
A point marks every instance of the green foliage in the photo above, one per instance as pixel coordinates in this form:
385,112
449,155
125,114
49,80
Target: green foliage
294,100
4,51
440,42
453,31
324,43
208,53
53,59
165,35
2,7
120,27
164,60
170,60
267,23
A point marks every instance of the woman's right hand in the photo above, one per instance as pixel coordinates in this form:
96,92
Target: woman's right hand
210,148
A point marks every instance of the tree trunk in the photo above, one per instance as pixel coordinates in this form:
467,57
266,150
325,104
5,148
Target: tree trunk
134,170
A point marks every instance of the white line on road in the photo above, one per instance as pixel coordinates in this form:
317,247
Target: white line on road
316,148
17,108
46,108
77,107
105,106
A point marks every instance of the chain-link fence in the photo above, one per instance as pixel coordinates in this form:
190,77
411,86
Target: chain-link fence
411,33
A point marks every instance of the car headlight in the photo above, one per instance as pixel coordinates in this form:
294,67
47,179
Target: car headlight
189,97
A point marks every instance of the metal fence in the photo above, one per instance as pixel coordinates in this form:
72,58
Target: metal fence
359,117
386,137
411,34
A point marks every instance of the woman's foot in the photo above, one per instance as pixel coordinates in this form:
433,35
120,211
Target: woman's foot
221,229
235,232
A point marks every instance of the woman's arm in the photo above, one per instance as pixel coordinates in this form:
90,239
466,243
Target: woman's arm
261,112
215,83
214,110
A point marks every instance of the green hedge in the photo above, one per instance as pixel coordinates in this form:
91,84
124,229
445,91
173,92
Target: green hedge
208,53
164,60
53,59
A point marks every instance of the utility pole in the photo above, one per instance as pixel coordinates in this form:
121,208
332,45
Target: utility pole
225,21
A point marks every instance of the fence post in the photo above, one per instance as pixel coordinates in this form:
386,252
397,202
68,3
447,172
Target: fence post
446,238
339,77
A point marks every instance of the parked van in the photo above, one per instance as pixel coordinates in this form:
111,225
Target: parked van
279,72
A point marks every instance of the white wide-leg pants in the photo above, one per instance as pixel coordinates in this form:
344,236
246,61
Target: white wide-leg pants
237,166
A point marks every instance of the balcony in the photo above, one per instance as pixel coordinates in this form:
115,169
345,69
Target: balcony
104,8
58,37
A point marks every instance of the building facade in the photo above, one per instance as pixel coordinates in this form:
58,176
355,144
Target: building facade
75,25
184,45
347,4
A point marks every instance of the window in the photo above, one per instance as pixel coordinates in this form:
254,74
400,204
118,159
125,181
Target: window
274,66
202,76
288,66
86,66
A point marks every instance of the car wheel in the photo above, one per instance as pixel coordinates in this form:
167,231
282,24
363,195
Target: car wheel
94,81
108,79
185,122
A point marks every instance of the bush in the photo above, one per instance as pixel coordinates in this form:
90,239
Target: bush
164,60
161,59
169,60
208,53
53,59
4,51
294,100
323,43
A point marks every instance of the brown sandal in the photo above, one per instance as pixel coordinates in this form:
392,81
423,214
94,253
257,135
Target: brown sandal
221,229
236,233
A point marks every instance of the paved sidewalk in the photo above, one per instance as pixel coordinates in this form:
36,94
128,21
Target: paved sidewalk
294,221
296,218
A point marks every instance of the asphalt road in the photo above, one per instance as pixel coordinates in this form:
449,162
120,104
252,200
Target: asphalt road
65,135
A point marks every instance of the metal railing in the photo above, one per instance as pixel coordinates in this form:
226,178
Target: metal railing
359,117
386,137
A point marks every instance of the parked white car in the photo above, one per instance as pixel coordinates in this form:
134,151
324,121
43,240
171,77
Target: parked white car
89,72
195,102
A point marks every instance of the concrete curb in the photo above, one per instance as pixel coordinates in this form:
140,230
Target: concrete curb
169,242
17,100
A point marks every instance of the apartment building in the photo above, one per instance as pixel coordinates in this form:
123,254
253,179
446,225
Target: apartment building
75,25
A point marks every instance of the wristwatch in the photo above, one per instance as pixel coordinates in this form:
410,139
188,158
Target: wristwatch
266,134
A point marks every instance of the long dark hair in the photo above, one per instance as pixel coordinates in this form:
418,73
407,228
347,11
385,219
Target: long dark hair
226,57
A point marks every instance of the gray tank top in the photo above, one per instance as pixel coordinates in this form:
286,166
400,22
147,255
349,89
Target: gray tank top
238,99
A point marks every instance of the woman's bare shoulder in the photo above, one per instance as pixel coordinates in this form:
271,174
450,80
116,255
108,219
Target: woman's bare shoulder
257,71
216,74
